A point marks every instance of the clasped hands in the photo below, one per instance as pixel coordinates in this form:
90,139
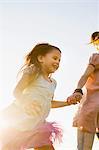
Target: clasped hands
74,98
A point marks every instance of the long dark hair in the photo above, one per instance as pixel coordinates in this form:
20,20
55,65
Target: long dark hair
95,36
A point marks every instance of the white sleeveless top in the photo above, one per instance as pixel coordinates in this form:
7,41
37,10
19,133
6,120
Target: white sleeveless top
26,114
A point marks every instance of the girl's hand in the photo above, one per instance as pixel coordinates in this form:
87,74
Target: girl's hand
71,99
74,98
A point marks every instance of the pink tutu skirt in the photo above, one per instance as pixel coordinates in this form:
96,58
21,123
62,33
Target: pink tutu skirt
44,134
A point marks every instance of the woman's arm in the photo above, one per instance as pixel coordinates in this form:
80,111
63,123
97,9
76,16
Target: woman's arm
89,70
93,64
77,95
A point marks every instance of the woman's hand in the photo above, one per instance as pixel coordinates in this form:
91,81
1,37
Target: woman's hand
74,98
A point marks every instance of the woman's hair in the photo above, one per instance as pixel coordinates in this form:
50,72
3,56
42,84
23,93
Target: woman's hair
94,36
31,59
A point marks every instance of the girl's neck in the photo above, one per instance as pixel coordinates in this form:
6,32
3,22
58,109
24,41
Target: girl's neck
47,77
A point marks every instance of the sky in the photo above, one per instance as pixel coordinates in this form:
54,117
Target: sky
67,24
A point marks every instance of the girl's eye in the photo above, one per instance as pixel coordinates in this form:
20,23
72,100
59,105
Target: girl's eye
55,58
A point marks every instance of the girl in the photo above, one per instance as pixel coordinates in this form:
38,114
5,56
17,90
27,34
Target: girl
23,124
87,118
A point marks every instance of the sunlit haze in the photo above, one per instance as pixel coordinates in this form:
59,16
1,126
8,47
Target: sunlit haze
66,24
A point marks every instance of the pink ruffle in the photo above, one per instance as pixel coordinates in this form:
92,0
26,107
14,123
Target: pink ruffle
44,134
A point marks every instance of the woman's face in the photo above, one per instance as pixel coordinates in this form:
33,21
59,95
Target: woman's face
96,44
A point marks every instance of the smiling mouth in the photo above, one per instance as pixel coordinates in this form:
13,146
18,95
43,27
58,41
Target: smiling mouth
56,66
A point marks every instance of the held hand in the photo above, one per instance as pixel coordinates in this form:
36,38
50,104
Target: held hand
74,98
71,100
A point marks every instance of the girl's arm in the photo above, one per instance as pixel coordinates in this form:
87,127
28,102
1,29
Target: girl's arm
57,104
21,85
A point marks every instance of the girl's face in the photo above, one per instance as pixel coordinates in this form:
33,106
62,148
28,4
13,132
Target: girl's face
50,62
